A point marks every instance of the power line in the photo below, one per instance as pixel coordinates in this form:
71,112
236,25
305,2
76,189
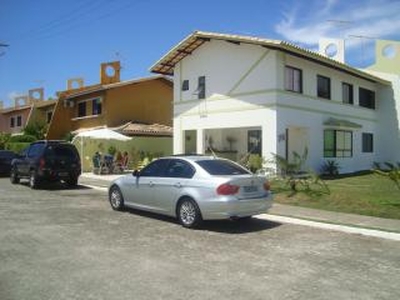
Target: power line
65,25
362,38
79,11
4,46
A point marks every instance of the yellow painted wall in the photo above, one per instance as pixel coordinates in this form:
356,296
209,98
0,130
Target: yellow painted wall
148,101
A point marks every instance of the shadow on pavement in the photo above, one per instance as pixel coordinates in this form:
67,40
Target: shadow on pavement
221,226
56,186
239,226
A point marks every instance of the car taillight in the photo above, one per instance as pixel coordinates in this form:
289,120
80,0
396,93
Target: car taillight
41,163
267,186
227,189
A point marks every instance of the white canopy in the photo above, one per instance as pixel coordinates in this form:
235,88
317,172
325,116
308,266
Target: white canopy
103,133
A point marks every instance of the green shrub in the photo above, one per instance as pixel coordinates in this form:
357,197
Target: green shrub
25,138
391,172
330,167
112,150
16,147
4,139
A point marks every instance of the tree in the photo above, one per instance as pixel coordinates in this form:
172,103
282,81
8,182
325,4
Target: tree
4,139
36,129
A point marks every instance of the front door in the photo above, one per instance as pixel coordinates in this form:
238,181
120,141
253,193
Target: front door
254,142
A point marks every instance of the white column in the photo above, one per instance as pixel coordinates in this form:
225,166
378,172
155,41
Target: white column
178,139
200,141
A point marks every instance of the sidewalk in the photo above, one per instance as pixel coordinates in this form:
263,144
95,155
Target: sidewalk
303,213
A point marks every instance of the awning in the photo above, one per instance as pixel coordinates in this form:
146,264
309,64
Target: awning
341,123
139,129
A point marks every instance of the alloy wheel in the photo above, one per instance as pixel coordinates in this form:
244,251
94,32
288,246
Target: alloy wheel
188,213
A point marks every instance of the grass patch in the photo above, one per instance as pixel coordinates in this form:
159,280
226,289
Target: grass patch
364,194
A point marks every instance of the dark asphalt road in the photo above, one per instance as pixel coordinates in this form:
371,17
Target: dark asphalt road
69,244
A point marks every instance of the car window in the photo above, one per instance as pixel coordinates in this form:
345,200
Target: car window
61,151
7,154
155,168
179,168
221,167
35,150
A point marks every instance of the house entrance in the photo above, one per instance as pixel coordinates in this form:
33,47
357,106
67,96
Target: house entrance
190,141
297,140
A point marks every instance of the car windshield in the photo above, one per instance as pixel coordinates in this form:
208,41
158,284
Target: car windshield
61,151
221,167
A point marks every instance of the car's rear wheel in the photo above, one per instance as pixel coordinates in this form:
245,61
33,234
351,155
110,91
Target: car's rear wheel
116,198
33,180
188,213
14,176
72,181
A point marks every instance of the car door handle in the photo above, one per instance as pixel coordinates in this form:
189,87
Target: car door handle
151,183
178,185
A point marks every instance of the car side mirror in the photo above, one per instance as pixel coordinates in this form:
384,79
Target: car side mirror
136,173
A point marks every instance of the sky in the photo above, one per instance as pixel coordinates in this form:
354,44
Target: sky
51,41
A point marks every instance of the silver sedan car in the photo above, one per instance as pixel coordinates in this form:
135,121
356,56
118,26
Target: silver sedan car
192,189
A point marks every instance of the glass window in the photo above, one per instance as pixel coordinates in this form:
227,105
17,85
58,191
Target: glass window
323,87
179,168
221,167
347,93
12,122
367,143
185,85
293,79
338,143
96,106
19,121
366,98
35,150
82,109
49,115
202,87
155,168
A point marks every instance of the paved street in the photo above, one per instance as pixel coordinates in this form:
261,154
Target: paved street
68,244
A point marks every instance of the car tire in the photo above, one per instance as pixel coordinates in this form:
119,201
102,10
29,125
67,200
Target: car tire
72,181
116,198
188,213
14,176
33,180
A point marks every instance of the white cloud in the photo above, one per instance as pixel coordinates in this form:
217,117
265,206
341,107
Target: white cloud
306,22
305,25
14,94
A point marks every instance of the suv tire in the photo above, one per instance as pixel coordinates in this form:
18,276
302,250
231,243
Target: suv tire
72,181
33,180
14,176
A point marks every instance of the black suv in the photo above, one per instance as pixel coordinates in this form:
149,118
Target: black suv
47,161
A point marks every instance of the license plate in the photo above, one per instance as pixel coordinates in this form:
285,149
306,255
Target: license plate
63,174
250,189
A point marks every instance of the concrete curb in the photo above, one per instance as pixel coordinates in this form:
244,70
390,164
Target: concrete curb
342,228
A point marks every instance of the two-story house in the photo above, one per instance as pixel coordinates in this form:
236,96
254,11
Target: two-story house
26,110
112,103
240,94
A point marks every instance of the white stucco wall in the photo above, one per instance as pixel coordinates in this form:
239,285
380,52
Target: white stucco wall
245,89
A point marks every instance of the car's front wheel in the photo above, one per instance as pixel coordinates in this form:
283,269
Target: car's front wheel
14,176
188,213
116,198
